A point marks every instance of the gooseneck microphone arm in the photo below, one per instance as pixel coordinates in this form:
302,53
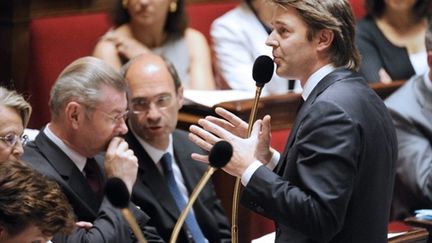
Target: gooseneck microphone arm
262,73
219,156
118,194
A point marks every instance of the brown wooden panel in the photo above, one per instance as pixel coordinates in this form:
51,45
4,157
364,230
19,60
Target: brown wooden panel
282,108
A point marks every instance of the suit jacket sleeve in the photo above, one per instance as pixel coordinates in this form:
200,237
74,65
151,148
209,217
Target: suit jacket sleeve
414,157
110,226
322,165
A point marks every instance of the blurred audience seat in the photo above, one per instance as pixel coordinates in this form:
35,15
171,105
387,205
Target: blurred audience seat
54,43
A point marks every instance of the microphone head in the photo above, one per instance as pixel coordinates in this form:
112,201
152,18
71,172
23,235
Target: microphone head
117,192
262,70
220,154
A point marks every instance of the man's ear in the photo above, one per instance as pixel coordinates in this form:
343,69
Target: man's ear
74,112
180,97
324,38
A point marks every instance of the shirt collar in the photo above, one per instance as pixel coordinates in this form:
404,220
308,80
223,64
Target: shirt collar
154,153
76,158
315,78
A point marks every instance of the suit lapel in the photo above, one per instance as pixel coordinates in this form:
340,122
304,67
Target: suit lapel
331,78
68,171
151,176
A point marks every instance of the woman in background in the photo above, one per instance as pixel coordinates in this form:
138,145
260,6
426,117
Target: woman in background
15,114
158,26
391,39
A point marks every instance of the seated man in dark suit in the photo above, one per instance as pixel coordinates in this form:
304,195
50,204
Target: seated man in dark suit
411,110
88,106
156,95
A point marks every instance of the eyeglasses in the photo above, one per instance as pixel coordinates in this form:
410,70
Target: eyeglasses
11,139
116,118
143,105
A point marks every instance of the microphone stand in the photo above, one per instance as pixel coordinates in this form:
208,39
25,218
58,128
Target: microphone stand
237,185
219,156
133,224
209,172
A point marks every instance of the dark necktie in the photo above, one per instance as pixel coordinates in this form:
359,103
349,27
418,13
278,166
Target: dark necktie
93,176
191,222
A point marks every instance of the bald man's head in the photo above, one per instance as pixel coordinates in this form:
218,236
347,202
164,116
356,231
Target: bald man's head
155,98
150,63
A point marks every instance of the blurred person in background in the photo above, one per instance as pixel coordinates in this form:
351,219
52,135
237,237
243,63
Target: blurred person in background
411,110
238,38
390,39
158,26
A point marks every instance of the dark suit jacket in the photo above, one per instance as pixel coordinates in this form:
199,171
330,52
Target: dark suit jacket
109,225
152,194
334,181
411,109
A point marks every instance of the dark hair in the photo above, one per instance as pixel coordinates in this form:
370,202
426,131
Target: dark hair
375,8
335,15
28,198
175,24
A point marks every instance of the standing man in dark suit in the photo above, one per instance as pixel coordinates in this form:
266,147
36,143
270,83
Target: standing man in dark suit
411,109
155,97
88,106
334,181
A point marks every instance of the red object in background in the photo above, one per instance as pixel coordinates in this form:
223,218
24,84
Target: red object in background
398,226
358,8
54,43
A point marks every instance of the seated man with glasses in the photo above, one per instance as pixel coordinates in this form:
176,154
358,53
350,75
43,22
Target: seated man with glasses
88,106
167,174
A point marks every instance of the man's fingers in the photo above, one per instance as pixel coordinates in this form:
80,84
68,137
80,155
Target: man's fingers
220,122
256,128
204,134
233,119
196,136
219,132
200,157
84,224
112,147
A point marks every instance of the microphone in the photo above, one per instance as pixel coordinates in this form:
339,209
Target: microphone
118,194
262,73
219,156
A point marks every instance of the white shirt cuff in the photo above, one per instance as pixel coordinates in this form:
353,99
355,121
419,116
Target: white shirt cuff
274,160
245,178
247,175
